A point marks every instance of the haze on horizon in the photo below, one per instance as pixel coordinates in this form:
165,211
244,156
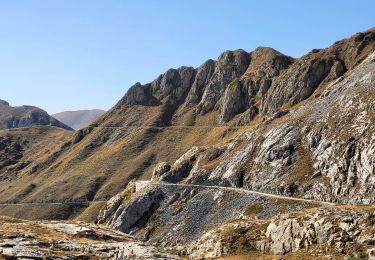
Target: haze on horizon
72,55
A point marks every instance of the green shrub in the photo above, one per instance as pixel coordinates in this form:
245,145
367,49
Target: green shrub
253,209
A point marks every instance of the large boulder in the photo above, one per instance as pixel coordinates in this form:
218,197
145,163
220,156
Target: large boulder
122,212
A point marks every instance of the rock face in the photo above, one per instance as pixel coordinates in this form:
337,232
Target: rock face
329,227
160,169
203,223
182,167
80,118
124,216
15,117
243,94
185,212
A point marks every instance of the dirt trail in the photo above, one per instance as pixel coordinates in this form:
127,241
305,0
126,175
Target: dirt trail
240,190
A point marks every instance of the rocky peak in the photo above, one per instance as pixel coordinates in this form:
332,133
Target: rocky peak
204,73
173,83
138,95
230,65
244,93
267,62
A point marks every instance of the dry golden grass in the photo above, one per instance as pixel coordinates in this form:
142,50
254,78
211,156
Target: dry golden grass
90,213
303,170
37,142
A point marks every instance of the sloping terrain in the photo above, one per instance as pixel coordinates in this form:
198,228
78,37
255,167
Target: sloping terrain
22,146
80,118
15,117
262,120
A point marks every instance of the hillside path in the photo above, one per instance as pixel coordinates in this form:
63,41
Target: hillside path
141,184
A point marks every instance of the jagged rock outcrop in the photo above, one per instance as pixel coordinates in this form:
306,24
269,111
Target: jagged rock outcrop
160,169
230,65
204,74
122,212
182,166
335,228
247,93
15,117
299,82
173,84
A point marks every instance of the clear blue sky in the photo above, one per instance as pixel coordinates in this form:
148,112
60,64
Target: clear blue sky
81,54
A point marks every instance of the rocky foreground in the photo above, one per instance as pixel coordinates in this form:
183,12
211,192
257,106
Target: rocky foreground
70,240
329,232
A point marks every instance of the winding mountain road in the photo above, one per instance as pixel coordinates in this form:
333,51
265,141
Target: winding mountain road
141,184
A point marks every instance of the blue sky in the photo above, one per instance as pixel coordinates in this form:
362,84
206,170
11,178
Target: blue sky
81,54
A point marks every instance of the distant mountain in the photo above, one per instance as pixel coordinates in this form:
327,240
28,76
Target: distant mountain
23,116
80,118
